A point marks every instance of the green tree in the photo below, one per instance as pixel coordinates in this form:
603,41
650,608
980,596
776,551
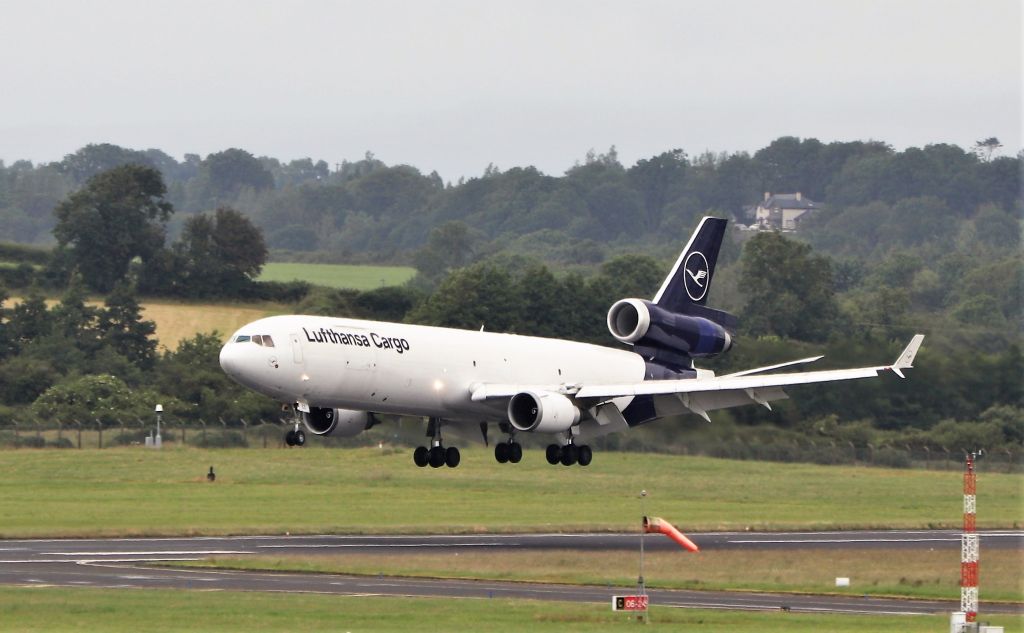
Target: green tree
658,179
451,245
984,149
124,330
471,297
221,254
76,321
101,397
28,320
192,375
788,289
96,158
117,216
223,175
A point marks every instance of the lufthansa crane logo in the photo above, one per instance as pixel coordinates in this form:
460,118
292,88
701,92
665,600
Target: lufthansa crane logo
697,275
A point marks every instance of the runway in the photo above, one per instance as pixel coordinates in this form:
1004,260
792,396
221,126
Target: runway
122,563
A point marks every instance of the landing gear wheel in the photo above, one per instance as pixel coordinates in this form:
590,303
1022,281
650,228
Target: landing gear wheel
421,456
452,457
553,454
515,452
569,454
289,438
300,437
501,453
437,457
586,455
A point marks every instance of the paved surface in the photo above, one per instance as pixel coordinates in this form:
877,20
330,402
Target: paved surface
121,563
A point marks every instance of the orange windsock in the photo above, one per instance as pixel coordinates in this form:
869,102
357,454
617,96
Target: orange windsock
661,526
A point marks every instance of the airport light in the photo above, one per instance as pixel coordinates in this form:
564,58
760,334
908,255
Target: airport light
159,410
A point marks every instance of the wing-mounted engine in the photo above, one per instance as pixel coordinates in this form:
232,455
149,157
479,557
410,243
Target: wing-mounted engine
542,412
645,324
341,422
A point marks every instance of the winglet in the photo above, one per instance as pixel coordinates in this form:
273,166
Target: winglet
906,359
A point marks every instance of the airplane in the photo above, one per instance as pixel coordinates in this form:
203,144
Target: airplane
338,374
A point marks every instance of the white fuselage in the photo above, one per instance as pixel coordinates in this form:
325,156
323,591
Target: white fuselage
409,369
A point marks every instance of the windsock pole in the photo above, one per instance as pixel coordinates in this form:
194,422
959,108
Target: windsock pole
969,547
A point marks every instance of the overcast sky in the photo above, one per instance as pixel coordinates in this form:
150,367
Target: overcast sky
453,86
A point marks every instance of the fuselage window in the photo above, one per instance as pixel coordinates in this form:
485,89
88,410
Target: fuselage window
242,338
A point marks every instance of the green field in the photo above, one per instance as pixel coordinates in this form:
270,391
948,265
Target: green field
155,611
338,275
134,491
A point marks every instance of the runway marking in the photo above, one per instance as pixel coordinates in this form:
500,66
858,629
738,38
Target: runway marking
386,545
843,540
149,553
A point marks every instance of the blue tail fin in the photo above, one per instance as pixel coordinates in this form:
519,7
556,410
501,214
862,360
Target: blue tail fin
685,290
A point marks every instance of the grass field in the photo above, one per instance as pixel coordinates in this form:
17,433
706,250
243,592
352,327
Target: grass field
134,491
176,321
114,611
900,573
338,275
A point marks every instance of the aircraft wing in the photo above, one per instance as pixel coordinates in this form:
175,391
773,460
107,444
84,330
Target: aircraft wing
743,381
700,395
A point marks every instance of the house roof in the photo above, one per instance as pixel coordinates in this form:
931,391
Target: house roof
788,201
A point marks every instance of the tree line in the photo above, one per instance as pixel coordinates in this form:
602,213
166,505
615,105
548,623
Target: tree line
920,240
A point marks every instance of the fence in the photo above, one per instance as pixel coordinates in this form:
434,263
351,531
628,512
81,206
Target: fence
409,433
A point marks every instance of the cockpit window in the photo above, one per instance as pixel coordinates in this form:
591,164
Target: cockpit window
259,339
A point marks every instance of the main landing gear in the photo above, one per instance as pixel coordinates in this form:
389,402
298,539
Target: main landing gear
569,454
437,455
508,452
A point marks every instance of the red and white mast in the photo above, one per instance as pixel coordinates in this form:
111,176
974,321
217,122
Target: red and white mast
969,547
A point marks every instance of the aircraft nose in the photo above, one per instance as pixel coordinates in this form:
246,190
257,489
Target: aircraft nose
229,360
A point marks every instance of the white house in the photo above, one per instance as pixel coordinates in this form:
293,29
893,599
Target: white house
783,210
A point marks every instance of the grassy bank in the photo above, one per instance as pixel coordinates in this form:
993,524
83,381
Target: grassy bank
114,611
135,491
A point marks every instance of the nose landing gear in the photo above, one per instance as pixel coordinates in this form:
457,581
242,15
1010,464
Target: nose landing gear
295,437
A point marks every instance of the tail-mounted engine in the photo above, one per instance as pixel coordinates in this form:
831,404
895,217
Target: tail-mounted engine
642,323
342,422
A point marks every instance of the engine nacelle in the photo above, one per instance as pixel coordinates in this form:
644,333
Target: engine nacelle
639,322
342,422
542,411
